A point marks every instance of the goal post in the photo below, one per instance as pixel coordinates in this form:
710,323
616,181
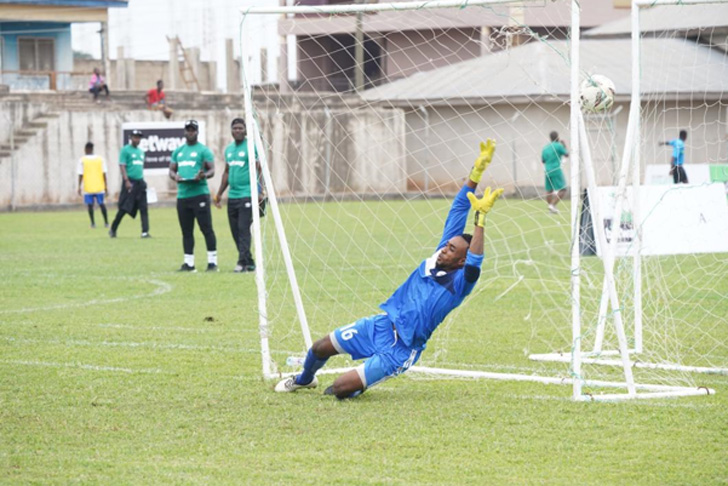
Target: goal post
365,142
639,356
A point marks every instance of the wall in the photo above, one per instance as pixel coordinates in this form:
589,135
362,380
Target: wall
357,160
338,147
411,52
145,74
442,155
336,151
13,115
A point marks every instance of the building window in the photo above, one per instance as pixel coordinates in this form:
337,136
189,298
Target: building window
36,54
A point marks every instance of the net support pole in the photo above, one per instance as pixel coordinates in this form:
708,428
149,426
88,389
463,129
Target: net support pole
609,289
257,141
575,193
285,250
263,328
610,251
636,179
610,248
607,260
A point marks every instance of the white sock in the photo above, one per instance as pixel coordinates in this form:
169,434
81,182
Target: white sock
212,257
190,260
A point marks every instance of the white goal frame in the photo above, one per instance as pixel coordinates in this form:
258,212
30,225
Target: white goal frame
631,156
579,151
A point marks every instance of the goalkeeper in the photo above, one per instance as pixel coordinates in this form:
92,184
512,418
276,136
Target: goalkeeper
393,341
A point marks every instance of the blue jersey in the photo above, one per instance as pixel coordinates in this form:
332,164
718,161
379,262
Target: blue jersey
678,150
421,303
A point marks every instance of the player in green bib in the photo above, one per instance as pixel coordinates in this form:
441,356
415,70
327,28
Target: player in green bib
555,182
237,176
133,194
190,166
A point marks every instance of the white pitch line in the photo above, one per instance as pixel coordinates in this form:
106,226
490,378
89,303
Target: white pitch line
174,328
162,288
126,344
83,367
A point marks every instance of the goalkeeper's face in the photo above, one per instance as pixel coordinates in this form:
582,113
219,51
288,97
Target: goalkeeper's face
453,254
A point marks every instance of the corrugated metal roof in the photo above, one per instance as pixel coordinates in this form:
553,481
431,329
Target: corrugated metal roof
668,18
541,69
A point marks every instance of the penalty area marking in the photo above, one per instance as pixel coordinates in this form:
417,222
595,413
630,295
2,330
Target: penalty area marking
127,344
161,288
82,366
194,330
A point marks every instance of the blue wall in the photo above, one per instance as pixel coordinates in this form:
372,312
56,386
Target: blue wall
60,32
63,52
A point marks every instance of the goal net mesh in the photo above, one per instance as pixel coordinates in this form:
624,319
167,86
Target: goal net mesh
370,136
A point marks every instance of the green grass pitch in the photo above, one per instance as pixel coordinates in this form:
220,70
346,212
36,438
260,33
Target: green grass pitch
115,369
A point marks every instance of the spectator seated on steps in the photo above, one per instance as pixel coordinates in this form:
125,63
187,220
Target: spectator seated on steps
97,84
156,100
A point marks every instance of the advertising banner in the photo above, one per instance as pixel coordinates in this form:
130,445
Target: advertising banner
675,219
159,141
697,174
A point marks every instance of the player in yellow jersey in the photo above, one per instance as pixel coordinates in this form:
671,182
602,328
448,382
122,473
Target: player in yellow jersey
92,180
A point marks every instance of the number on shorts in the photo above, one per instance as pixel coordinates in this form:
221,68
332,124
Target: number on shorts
348,333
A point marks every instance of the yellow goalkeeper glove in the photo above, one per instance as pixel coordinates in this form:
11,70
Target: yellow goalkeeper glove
483,205
483,160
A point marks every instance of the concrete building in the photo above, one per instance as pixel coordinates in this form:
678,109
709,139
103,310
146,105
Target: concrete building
398,44
35,39
520,95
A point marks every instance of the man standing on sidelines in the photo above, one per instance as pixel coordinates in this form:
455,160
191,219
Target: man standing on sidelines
677,170
555,182
92,177
190,166
133,194
240,213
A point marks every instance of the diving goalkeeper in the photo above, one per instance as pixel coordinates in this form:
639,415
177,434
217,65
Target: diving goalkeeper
393,341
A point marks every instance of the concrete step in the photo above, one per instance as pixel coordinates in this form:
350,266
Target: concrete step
37,124
4,153
17,143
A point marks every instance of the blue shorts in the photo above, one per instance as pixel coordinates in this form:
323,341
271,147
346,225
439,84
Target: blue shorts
374,337
89,198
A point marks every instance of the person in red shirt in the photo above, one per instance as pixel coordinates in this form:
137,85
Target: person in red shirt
156,100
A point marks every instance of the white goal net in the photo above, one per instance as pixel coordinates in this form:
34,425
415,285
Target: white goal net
372,126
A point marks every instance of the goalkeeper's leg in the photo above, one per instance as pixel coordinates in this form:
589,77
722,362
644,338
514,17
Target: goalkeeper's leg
316,358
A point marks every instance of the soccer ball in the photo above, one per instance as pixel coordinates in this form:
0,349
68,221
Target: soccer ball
596,94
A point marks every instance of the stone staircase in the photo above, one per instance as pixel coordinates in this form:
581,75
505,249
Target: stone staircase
27,131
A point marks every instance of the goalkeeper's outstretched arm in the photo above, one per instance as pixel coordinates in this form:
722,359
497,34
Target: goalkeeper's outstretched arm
458,215
481,207
485,204
481,163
